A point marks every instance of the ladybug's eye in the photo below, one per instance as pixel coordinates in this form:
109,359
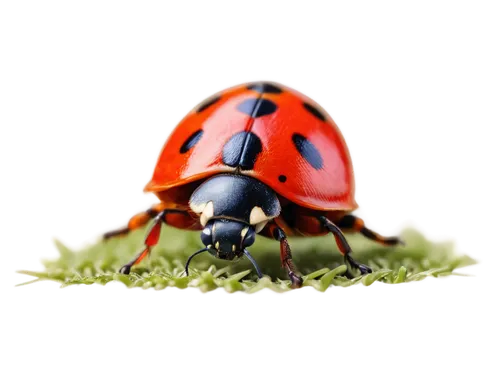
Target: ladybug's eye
206,235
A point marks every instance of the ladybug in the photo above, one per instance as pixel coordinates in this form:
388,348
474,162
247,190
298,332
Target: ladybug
258,158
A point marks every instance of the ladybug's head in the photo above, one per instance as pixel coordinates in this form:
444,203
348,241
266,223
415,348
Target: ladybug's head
227,239
232,208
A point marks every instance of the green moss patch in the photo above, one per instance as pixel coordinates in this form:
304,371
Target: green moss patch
317,258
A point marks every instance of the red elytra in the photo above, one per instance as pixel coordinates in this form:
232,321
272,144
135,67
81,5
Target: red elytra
329,188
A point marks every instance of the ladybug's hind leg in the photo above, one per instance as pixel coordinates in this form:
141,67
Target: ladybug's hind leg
343,246
286,254
351,222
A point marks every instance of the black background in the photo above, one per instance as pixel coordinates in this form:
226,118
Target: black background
92,116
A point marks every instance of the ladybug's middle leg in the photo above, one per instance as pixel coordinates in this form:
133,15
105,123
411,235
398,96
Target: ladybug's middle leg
138,221
343,245
286,255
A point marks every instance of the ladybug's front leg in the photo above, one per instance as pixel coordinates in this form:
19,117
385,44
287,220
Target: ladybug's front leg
286,255
151,239
344,247
153,234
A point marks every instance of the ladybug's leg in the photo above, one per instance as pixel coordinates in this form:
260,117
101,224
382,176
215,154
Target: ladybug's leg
344,247
153,235
357,224
286,255
138,221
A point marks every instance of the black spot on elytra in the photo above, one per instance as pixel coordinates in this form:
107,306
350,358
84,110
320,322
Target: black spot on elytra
308,151
316,112
282,178
265,87
257,107
207,103
191,141
242,150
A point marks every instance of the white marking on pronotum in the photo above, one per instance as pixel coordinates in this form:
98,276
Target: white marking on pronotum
257,216
198,208
206,231
234,248
207,214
